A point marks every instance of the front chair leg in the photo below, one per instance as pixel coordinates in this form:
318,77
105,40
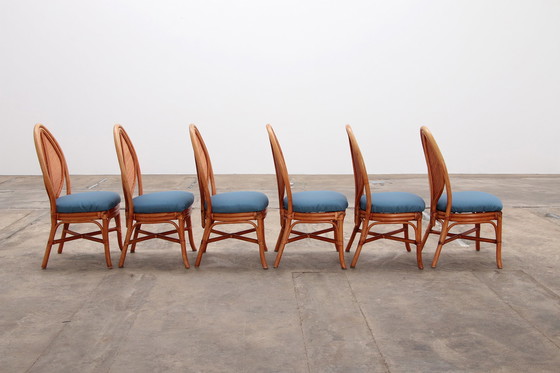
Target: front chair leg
105,235
188,224
499,241
339,239
182,241
352,237
262,242
119,231
418,242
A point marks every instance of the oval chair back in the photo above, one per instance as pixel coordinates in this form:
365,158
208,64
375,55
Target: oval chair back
131,176
205,174
437,170
53,164
282,177
361,179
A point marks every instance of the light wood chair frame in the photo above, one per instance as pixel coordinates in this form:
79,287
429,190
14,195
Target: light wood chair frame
440,182
209,219
290,218
131,178
56,179
366,220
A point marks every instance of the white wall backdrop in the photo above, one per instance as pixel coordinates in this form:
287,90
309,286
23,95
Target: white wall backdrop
484,75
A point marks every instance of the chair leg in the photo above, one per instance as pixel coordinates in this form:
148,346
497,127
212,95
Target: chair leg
119,231
442,237
136,232
63,236
405,231
262,242
281,234
428,231
182,241
282,240
499,241
418,241
54,227
352,236
477,226
339,239
363,236
203,243
129,230
188,228
105,235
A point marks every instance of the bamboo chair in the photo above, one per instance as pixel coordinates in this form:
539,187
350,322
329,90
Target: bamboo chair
243,207
97,207
172,207
372,210
457,208
307,207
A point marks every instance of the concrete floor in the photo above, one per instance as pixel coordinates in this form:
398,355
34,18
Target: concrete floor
308,315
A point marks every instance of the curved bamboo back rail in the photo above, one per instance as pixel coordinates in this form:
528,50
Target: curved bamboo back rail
131,176
205,174
53,164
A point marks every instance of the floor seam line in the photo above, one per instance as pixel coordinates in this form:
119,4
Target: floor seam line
355,300
301,320
516,311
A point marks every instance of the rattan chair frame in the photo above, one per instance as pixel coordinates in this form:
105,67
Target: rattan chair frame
56,179
209,219
131,178
439,182
290,218
365,220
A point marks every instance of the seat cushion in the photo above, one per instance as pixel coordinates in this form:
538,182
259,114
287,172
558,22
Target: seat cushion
171,201
317,201
87,202
234,202
471,201
394,203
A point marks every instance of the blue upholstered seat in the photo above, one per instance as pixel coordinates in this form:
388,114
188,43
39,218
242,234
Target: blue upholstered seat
171,201
394,203
317,201
471,201
235,202
87,202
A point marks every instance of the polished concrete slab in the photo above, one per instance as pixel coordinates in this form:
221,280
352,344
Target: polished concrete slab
308,315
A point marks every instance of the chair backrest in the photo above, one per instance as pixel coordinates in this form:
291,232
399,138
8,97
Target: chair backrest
131,177
282,178
204,172
437,171
53,164
361,179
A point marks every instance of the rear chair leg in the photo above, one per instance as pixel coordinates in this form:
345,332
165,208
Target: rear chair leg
352,237
63,236
54,226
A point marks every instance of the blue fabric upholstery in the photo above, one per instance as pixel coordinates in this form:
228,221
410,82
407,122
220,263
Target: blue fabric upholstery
317,201
394,203
471,202
87,202
234,202
171,201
